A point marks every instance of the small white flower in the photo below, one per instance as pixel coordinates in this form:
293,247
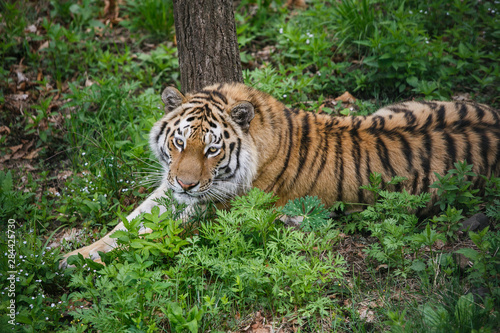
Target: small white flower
307,41
284,96
83,153
281,30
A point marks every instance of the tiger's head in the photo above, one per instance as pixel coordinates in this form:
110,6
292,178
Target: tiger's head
204,145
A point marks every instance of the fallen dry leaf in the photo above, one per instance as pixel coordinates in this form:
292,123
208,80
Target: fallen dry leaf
4,129
33,154
32,28
6,157
21,77
439,244
68,235
346,98
88,82
16,148
366,314
21,152
296,4
63,175
43,46
17,97
52,191
112,11
39,76
461,97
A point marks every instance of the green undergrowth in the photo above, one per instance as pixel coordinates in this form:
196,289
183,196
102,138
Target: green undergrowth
79,93
183,278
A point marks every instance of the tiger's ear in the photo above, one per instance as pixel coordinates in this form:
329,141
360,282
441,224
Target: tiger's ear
172,98
243,113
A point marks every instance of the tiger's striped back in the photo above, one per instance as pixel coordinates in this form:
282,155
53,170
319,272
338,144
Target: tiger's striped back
296,153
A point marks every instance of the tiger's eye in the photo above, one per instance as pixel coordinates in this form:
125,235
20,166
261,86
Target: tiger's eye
213,150
179,142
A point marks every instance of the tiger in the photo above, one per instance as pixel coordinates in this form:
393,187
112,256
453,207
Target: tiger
227,138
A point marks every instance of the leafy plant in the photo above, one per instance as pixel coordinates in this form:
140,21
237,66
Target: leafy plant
13,204
179,322
492,197
131,279
485,259
391,220
449,222
455,188
32,268
263,264
310,209
460,315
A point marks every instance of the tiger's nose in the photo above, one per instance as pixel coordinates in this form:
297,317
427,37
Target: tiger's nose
185,185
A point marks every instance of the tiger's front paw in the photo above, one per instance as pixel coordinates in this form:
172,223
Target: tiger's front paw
91,251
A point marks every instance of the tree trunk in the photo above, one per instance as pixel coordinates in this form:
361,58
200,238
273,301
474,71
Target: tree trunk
207,43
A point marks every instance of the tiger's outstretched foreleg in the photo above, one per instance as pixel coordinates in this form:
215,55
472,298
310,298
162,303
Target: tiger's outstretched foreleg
107,243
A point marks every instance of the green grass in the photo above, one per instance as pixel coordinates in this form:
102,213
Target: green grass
92,96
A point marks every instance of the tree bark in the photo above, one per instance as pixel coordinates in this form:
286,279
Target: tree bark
207,43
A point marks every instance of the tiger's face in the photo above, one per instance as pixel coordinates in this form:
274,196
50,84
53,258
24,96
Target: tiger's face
203,145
